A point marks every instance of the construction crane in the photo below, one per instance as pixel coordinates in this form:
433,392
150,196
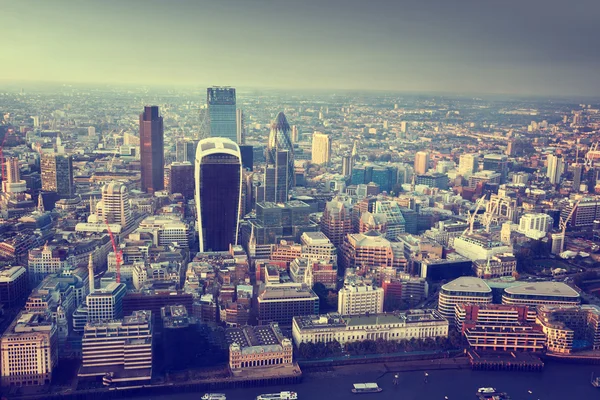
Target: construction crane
562,224
118,254
472,215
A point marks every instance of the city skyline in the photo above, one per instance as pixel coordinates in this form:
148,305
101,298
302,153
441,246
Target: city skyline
463,47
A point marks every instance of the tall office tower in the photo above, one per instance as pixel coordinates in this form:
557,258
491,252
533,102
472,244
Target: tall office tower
57,174
421,162
354,153
185,150
336,221
114,207
13,183
241,126
29,350
577,175
279,139
347,165
181,178
218,174
403,127
222,112
295,134
468,164
321,148
497,163
276,178
556,167
152,155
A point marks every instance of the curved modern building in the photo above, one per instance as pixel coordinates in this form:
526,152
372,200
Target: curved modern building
218,174
463,290
280,155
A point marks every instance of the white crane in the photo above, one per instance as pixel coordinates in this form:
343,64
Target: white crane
472,215
562,224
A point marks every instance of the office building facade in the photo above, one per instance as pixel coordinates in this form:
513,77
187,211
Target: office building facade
359,296
218,175
221,103
397,326
29,350
321,148
463,290
152,157
120,350
57,174
182,179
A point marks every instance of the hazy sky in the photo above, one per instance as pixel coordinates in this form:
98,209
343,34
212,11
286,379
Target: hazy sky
477,46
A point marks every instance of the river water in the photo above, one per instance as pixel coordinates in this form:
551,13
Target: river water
557,382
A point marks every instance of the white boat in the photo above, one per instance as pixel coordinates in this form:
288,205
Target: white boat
366,388
278,396
486,390
214,396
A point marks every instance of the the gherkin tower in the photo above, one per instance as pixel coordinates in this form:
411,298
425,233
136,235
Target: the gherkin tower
280,156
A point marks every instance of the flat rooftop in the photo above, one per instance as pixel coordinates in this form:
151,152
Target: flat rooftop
467,284
558,289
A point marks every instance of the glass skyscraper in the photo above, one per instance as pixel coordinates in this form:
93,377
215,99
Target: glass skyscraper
222,112
280,155
218,174
152,157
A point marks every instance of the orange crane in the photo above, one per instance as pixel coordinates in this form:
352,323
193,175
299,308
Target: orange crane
118,254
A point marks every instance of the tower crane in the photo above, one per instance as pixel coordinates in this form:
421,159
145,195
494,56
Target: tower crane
118,253
562,224
472,215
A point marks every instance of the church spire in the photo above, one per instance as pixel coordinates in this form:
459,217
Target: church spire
40,204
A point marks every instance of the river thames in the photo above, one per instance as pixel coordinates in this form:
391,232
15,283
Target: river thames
557,381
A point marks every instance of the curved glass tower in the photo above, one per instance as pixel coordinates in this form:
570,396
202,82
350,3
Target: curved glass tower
218,174
280,143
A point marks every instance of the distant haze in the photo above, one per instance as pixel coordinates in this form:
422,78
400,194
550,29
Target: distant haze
531,47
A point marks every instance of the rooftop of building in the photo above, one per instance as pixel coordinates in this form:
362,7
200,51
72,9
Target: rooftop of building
467,284
335,320
10,273
28,321
558,289
255,339
286,291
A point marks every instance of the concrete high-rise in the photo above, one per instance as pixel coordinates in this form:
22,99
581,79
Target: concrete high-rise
222,120
347,165
421,162
321,148
218,174
468,164
556,167
13,183
279,142
152,157
241,126
114,207
57,174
